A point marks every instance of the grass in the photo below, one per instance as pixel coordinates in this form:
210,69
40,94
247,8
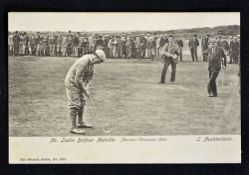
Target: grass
128,99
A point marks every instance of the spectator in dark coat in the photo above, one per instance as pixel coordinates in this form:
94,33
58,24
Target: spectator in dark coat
234,46
179,42
204,46
99,43
16,42
193,45
142,47
75,44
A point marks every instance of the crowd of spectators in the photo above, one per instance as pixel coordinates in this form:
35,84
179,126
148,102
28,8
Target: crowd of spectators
77,44
123,45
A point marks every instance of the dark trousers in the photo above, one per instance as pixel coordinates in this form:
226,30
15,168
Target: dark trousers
106,50
234,57
194,54
16,50
212,89
167,62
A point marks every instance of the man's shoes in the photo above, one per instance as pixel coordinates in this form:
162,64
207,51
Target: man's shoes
172,82
84,125
77,131
161,82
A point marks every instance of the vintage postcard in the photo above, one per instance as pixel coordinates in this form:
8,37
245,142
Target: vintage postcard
129,87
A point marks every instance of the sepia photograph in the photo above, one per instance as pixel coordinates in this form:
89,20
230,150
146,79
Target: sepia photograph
111,83
124,74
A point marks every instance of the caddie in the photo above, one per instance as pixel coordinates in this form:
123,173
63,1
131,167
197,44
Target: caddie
77,82
169,54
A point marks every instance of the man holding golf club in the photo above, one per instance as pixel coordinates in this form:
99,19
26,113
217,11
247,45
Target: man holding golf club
169,54
77,82
217,59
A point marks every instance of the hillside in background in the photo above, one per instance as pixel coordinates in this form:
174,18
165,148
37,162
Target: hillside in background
230,30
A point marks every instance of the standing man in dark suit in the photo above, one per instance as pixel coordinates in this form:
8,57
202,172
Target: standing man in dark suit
204,46
99,43
193,45
225,46
16,43
235,48
75,43
180,45
142,46
217,60
38,42
169,53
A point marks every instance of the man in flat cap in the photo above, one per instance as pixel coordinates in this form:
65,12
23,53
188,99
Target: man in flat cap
193,45
77,82
217,60
169,54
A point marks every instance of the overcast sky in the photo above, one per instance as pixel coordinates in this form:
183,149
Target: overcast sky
117,21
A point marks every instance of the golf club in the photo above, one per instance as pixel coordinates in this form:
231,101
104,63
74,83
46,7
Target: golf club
235,94
100,119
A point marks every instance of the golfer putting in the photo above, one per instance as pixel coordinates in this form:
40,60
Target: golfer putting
77,83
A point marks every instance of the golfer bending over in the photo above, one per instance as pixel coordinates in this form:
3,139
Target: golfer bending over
77,82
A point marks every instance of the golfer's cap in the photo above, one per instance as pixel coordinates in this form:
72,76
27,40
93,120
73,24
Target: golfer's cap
194,35
100,54
171,36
